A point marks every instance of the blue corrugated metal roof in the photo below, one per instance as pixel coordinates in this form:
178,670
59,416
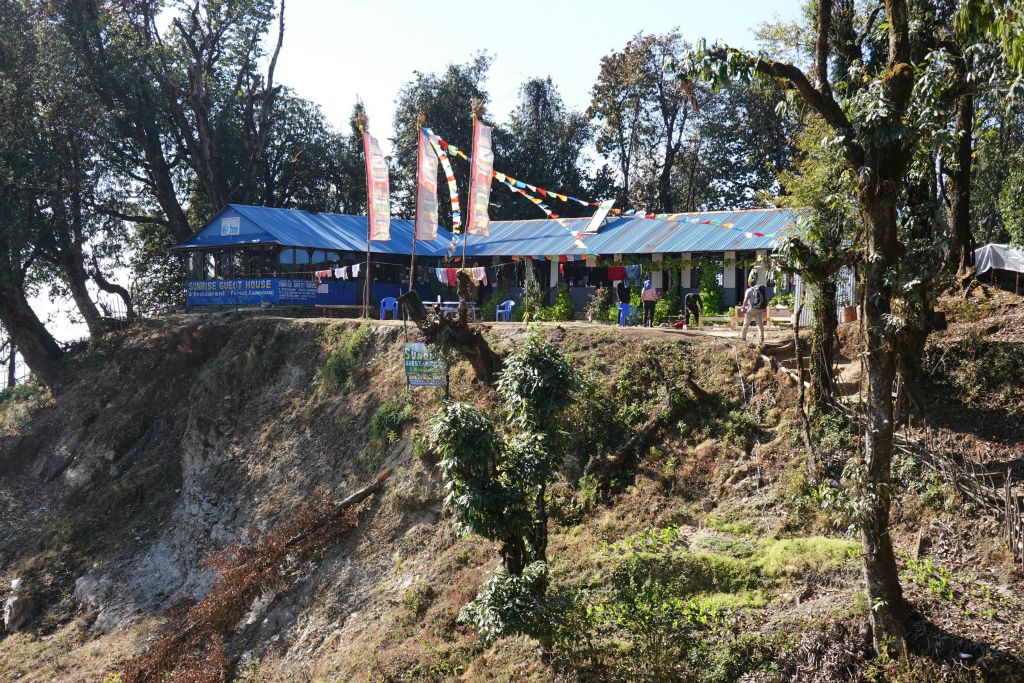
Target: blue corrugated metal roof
296,228
624,235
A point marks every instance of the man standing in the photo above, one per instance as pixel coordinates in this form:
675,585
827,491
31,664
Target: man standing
755,303
691,304
649,297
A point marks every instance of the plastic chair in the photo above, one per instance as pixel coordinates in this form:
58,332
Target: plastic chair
504,311
628,315
389,304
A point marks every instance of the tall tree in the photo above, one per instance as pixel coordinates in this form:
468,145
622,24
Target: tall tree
877,127
20,233
445,99
194,97
544,144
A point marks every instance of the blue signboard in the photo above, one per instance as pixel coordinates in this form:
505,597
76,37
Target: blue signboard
422,370
296,292
231,292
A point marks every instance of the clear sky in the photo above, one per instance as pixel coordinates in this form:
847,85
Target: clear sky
335,51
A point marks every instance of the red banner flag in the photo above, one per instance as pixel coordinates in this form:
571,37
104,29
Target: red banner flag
378,191
480,176
426,190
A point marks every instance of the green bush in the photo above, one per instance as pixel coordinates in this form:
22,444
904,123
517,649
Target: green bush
563,308
711,293
489,309
508,605
668,305
386,423
343,361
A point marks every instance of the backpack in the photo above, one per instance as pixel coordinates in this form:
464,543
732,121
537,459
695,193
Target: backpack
759,299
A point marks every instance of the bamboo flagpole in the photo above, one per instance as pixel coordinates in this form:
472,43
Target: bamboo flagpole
361,123
378,204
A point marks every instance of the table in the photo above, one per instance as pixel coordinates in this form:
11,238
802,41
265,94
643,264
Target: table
450,309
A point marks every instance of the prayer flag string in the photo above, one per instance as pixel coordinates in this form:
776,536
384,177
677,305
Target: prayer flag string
521,187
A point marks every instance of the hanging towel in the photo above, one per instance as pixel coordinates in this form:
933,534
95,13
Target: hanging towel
341,273
451,273
616,273
480,275
321,274
355,269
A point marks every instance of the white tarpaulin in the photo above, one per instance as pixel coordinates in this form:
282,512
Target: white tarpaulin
999,257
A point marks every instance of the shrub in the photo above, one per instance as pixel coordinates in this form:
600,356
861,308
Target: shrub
668,304
599,304
563,308
386,423
416,599
711,292
508,605
489,309
342,363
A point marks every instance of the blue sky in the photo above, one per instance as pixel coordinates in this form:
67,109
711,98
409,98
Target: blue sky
334,51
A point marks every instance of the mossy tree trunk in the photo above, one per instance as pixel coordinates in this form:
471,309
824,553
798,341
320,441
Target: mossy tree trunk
823,343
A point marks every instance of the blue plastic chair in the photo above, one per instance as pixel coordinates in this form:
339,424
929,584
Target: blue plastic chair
389,304
628,315
504,311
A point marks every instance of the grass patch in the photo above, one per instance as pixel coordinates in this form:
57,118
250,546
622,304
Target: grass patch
19,403
742,528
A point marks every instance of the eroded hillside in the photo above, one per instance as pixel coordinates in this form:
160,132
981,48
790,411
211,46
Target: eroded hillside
710,553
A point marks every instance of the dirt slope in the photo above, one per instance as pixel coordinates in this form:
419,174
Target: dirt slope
187,434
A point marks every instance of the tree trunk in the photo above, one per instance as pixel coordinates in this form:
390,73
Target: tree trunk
823,343
74,273
888,611
961,253
35,343
12,366
114,288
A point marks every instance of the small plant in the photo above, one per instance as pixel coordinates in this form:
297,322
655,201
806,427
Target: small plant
387,421
489,309
599,305
416,599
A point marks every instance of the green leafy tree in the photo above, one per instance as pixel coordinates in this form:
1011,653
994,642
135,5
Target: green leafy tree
497,471
879,114
445,100
826,238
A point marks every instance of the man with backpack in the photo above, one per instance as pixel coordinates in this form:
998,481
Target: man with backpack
755,303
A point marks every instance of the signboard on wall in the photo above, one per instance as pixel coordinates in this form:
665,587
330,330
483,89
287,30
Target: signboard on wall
230,226
300,292
231,292
423,370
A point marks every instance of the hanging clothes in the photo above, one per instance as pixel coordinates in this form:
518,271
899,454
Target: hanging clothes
341,273
633,273
616,273
442,277
480,275
355,270
321,274
452,275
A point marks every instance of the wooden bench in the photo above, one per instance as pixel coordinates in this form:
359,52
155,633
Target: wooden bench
774,316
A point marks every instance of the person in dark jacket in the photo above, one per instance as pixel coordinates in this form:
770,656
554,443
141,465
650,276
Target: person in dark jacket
622,292
691,304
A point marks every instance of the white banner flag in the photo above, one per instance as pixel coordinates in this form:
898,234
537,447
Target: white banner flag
426,190
378,191
480,180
